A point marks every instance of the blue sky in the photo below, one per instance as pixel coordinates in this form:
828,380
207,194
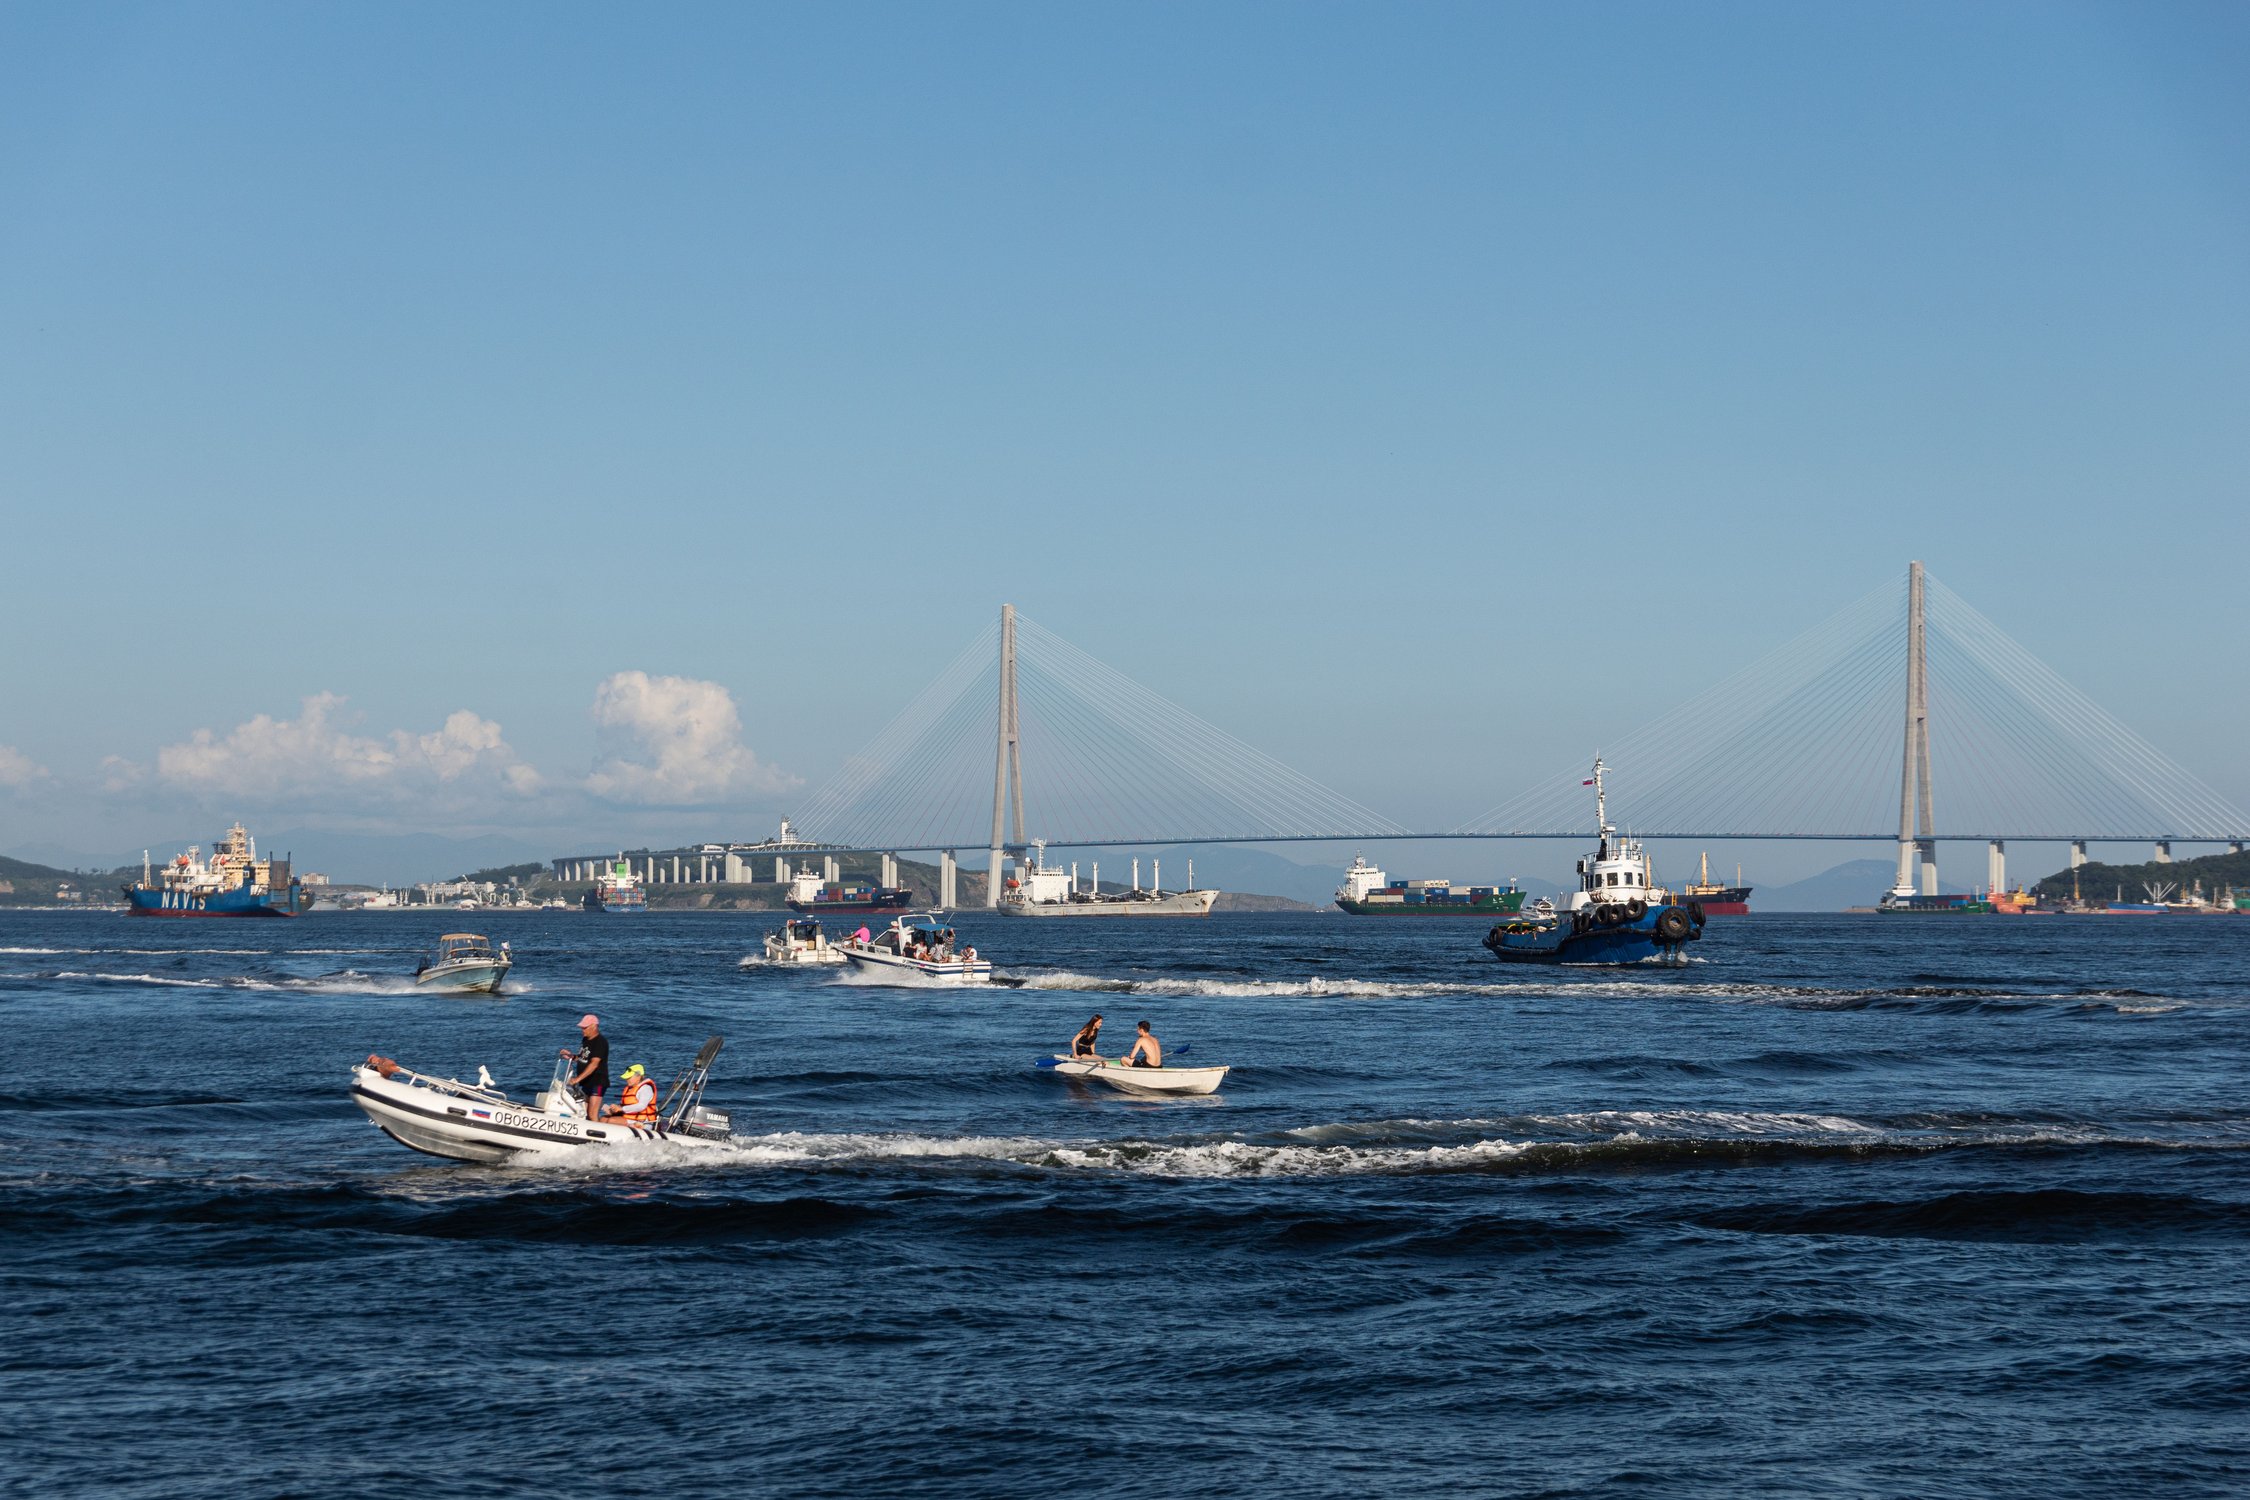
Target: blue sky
549,383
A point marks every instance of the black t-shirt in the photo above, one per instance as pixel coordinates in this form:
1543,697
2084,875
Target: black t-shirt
597,1048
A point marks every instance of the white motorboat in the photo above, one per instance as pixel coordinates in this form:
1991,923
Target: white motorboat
466,964
800,941
477,1122
1136,1080
912,949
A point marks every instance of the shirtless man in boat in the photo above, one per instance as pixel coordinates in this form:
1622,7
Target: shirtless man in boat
1147,1051
1088,1041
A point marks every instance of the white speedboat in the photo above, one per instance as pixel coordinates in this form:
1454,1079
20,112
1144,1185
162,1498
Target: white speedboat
1134,1080
920,949
477,1122
466,964
800,941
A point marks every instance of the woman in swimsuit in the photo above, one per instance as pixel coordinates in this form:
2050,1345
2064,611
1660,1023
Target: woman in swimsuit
1089,1036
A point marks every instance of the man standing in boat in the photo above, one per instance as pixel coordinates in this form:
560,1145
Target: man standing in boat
592,1077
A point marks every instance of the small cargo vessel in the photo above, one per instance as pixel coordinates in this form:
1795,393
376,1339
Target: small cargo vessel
234,882
916,949
477,1122
1618,915
1366,892
1951,905
810,892
1039,889
1718,900
616,889
466,963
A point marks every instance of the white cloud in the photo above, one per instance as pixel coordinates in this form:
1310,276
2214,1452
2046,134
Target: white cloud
674,740
313,756
18,770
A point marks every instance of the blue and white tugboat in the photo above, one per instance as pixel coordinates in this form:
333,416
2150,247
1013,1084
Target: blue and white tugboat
1616,916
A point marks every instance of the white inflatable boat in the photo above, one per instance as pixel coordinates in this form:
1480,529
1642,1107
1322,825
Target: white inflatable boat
1132,1080
477,1122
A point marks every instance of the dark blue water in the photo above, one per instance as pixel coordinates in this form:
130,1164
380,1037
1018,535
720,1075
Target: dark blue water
1854,1206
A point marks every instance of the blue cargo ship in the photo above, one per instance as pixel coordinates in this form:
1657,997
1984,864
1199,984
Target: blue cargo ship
1616,916
234,882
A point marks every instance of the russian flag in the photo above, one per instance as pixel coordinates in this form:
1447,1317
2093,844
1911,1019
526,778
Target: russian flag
1589,781
482,1114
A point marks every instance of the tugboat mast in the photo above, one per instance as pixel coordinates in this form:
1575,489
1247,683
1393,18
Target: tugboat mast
1601,808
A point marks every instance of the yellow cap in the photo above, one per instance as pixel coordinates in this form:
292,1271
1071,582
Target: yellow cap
635,1068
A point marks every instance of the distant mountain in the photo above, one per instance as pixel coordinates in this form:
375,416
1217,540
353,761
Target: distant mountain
1857,882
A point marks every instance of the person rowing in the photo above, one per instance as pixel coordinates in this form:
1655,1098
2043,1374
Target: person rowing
1147,1051
1088,1041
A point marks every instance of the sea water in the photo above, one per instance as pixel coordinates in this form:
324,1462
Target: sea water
1848,1206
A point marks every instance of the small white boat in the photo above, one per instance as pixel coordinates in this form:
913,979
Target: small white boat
465,964
1135,1080
916,948
800,941
477,1122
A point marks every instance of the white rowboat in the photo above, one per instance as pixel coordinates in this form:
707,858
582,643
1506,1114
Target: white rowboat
1132,1080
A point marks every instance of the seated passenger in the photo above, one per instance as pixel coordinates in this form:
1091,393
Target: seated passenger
1088,1041
1147,1051
636,1099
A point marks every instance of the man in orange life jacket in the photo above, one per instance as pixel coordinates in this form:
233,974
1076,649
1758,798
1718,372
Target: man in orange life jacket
636,1099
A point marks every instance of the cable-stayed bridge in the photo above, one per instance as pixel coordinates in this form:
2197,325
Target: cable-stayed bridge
1852,732
1905,717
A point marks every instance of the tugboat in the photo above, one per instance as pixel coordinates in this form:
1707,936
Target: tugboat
234,883
1616,916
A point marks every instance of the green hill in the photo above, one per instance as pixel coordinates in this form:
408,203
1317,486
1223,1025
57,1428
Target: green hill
25,884
2104,882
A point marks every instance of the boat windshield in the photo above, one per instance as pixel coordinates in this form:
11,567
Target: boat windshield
463,945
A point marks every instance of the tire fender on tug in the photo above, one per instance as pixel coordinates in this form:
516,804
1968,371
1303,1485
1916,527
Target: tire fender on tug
1673,925
1635,909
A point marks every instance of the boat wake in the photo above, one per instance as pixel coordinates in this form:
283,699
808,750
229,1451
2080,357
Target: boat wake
1531,1145
1551,985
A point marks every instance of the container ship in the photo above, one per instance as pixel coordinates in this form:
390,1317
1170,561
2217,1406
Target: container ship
234,882
615,889
1038,889
1366,892
1718,900
811,894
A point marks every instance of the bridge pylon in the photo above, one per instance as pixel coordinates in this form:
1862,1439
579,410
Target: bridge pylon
1007,761
1917,826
